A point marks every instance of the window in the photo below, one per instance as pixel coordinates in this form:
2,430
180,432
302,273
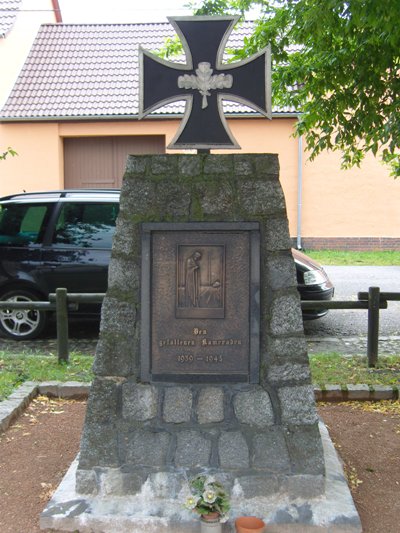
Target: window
88,225
22,224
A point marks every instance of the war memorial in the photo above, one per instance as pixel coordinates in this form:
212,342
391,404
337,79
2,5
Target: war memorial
201,365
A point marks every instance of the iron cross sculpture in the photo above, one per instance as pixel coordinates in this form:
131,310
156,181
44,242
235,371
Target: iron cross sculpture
204,82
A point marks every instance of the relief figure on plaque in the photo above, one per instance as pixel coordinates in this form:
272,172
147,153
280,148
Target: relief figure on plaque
200,277
192,280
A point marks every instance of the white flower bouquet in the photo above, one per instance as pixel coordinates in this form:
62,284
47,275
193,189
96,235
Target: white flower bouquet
208,497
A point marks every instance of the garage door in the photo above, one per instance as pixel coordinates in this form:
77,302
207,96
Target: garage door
100,161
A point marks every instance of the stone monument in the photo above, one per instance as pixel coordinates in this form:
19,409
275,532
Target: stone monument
201,365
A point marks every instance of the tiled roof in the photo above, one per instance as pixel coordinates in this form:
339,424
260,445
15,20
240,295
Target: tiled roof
91,70
8,15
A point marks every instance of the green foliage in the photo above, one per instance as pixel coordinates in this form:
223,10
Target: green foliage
208,496
172,48
340,257
9,151
15,369
340,60
333,368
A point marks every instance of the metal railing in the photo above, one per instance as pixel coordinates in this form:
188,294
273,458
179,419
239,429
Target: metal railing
61,302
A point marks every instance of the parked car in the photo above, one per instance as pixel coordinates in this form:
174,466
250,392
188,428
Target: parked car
63,239
312,283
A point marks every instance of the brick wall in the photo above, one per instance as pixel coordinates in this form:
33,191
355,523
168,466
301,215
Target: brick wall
349,243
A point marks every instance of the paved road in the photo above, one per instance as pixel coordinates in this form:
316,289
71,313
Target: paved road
348,281
344,331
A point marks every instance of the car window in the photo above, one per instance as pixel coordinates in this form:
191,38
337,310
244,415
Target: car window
81,225
23,224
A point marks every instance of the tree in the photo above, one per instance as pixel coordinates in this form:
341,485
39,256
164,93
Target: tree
9,151
338,63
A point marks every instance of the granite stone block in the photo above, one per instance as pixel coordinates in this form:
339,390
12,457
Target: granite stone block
288,349
260,198
136,166
126,239
148,448
266,165
177,404
179,199
192,449
115,314
163,165
305,449
102,404
99,445
270,451
308,486
276,235
253,486
210,405
286,315
139,402
87,482
244,165
167,484
288,372
280,271
297,405
254,408
113,481
139,200
233,450
116,355
217,165
220,202
123,275
189,165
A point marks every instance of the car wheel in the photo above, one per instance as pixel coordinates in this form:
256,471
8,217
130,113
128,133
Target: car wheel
21,324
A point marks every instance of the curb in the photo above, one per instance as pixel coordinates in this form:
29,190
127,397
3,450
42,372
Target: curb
360,393
17,402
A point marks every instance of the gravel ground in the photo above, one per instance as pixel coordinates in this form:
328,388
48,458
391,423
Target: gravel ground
37,450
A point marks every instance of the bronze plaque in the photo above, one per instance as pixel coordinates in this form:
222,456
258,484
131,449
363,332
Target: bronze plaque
200,288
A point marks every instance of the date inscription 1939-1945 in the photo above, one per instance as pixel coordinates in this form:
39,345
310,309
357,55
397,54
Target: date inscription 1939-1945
202,302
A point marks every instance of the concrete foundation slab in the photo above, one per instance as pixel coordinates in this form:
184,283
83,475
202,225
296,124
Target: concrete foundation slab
334,512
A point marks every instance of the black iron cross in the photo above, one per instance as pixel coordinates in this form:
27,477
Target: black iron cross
204,82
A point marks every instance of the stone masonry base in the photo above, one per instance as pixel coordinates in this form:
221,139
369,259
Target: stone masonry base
334,511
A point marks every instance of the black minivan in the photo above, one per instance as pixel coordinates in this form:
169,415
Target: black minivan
63,239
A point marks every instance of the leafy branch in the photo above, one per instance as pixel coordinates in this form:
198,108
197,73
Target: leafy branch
8,152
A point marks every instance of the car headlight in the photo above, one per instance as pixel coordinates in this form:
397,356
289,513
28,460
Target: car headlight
314,277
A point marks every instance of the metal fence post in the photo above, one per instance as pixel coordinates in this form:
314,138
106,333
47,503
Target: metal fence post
373,325
62,325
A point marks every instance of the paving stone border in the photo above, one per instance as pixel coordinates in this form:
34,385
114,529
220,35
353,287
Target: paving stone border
17,402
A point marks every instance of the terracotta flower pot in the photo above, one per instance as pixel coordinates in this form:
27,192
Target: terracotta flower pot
210,523
210,517
249,524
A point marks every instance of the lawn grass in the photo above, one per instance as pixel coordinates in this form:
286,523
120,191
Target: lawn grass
326,369
349,258
333,368
15,369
